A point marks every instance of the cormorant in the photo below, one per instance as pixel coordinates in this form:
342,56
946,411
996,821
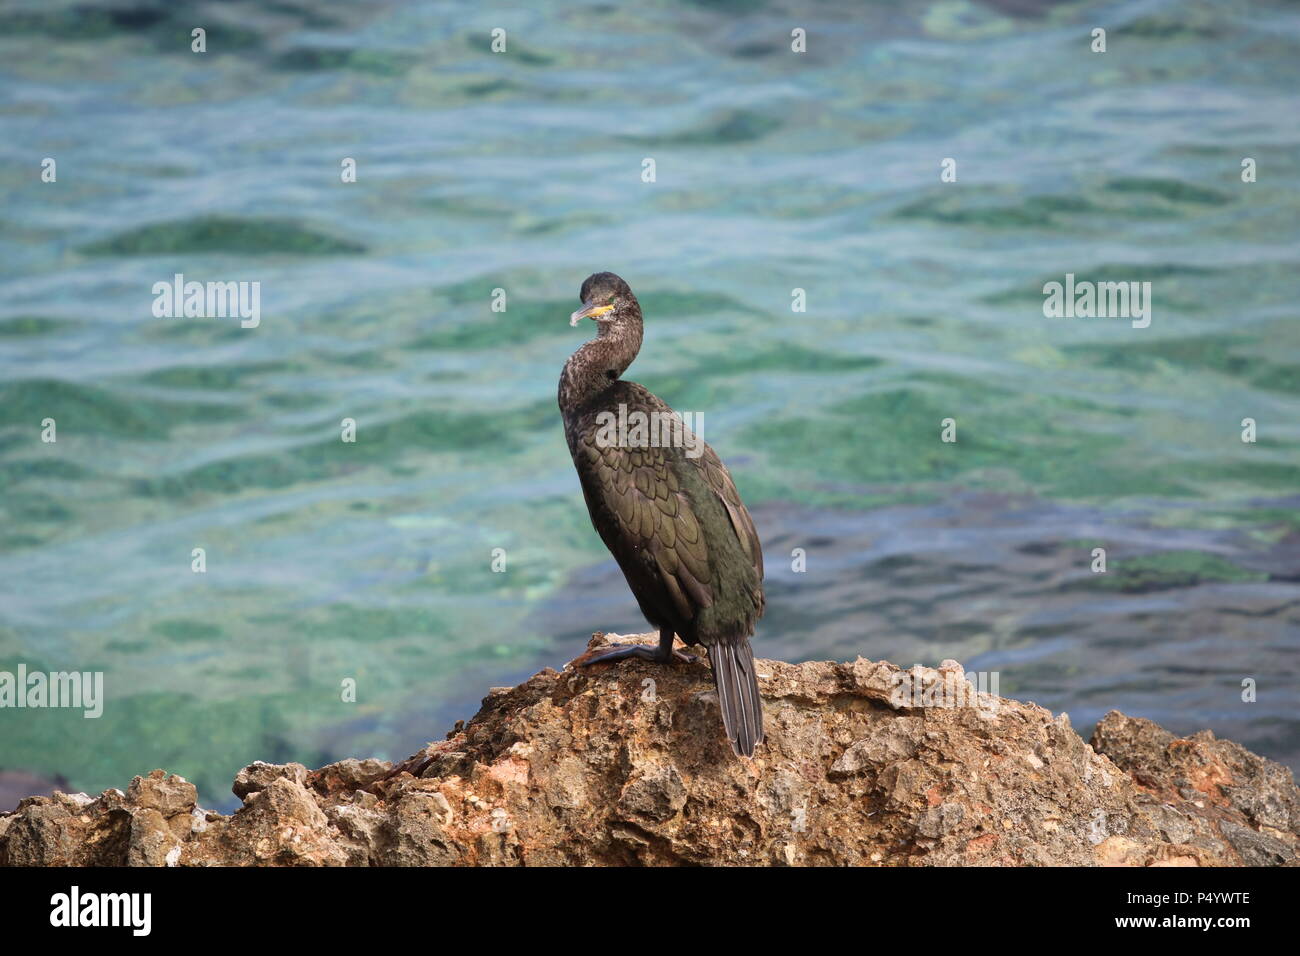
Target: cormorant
670,514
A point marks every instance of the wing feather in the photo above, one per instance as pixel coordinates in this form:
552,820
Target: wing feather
647,520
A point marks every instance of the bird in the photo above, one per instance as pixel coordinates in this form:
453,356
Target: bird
669,513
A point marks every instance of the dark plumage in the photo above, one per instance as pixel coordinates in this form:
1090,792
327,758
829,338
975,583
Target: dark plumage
670,515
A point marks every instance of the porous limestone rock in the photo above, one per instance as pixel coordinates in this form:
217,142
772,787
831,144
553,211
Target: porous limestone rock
626,764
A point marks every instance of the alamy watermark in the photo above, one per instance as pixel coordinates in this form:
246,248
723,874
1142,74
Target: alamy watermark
130,910
917,688
208,300
638,429
1103,300
76,689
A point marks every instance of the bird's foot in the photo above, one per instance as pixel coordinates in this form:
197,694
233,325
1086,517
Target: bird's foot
646,652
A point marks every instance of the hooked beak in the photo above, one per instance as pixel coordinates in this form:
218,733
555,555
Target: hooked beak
589,312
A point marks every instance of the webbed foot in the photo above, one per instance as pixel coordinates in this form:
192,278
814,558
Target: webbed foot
662,654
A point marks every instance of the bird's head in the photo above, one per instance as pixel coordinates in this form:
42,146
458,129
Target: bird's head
606,299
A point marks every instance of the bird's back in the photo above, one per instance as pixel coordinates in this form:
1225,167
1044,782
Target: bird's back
672,518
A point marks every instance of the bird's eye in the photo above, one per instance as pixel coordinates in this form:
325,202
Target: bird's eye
610,300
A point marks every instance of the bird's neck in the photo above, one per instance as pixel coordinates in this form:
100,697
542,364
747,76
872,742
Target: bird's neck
599,363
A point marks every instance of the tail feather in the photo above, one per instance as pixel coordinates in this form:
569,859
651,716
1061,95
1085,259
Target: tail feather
742,707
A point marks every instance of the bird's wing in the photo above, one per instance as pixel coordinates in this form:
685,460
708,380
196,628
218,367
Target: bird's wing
639,489
719,479
647,516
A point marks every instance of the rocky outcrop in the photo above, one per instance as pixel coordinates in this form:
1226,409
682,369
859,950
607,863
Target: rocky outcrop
625,763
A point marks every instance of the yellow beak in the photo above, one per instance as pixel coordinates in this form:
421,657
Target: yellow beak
589,312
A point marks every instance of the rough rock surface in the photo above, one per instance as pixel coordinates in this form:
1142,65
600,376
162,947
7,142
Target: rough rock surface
626,764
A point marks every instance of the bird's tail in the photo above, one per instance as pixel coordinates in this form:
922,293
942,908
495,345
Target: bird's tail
742,708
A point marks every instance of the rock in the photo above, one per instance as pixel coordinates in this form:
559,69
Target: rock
1256,849
151,840
1220,771
413,834
657,793
168,794
1253,802
74,801
599,767
258,775
350,774
280,824
41,833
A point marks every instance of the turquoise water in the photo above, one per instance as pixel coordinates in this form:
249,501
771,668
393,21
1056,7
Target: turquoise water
371,561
